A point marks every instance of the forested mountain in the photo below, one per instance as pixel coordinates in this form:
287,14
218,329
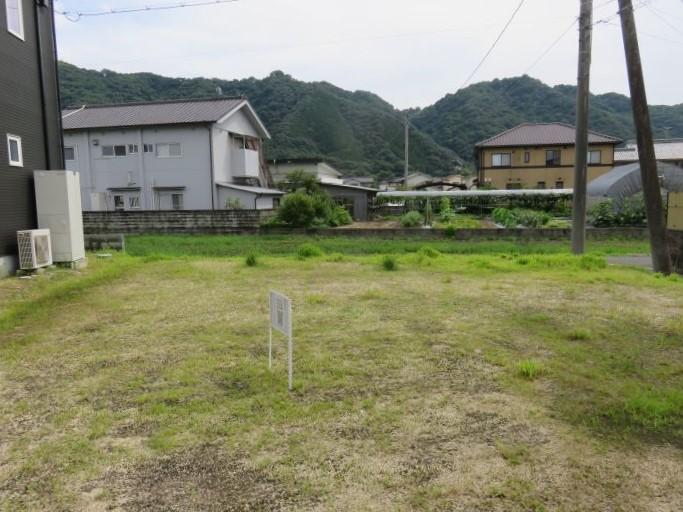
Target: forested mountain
458,121
362,134
356,131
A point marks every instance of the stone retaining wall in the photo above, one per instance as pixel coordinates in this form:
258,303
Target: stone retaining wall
182,221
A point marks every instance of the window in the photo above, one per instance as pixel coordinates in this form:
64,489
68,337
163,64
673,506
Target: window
594,157
133,202
148,148
16,157
118,203
132,149
177,201
500,160
15,18
112,151
559,184
540,185
552,157
69,153
172,150
276,203
527,157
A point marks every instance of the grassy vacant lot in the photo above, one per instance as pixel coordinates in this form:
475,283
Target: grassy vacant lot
495,377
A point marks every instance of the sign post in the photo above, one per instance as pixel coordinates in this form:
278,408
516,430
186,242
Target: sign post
281,320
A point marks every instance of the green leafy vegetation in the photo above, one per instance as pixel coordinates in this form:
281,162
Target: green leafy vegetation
251,260
529,369
308,206
521,217
629,212
389,263
412,219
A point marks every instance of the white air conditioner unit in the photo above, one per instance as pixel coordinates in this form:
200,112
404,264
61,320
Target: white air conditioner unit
35,250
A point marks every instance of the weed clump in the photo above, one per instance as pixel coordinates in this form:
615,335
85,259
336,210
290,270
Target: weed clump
389,263
412,219
251,260
429,252
309,251
579,334
529,369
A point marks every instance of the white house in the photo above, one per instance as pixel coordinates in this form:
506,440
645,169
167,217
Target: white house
171,155
323,171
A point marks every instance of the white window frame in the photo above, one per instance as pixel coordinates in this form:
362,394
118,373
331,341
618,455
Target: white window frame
133,149
113,150
169,144
592,152
75,150
134,202
15,138
501,157
20,12
148,148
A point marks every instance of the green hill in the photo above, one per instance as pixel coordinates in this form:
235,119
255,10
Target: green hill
359,132
356,131
458,121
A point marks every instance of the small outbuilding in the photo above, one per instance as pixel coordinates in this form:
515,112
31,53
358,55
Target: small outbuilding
355,199
232,196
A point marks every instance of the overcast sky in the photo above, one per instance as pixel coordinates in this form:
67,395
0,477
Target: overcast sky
410,52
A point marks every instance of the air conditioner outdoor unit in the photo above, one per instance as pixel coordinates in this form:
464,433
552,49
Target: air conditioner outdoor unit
34,249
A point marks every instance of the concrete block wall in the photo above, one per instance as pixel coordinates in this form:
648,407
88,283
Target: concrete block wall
181,221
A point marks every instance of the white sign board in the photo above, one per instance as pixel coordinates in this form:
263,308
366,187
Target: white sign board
281,321
281,313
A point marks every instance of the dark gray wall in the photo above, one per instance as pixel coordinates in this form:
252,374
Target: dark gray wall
29,108
360,198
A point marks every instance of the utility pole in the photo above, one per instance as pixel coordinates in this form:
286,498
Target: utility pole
661,257
581,155
407,152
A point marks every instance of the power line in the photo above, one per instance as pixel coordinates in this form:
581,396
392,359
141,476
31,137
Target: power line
495,43
75,16
667,22
551,47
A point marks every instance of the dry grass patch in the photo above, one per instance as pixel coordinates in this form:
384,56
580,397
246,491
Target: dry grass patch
147,387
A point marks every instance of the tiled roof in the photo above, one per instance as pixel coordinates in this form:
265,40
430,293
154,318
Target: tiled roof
148,114
664,150
543,134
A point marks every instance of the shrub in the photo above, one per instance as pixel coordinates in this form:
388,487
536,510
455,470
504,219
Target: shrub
340,217
251,260
309,251
412,219
450,231
297,209
446,212
389,263
521,216
504,217
630,212
529,369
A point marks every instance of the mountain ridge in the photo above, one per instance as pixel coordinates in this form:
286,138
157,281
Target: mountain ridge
361,133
